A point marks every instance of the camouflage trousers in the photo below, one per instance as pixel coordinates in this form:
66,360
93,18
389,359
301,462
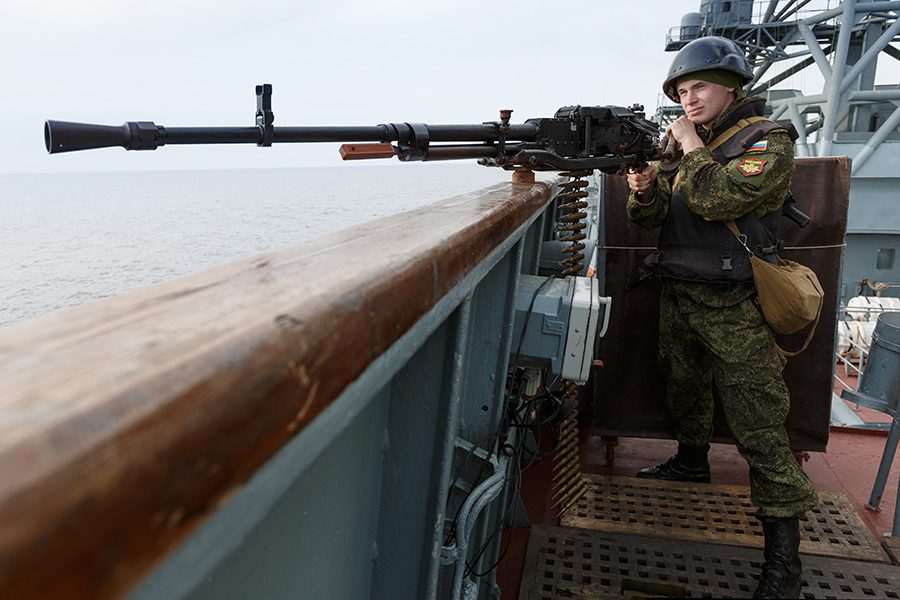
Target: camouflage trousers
731,348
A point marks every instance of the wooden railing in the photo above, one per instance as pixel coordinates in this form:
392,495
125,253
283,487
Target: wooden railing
125,423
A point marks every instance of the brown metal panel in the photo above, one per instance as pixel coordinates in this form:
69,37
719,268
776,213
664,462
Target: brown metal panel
125,422
628,397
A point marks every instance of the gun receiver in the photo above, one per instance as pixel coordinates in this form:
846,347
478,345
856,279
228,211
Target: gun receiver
609,138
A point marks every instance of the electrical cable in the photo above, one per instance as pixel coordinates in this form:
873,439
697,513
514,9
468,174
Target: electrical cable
451,533
470,568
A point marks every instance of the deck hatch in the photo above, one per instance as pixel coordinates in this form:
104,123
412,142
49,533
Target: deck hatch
722,514
564,562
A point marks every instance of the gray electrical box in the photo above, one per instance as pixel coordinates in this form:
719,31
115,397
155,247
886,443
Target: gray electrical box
556,324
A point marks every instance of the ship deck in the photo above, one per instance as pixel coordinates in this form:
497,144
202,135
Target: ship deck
656,525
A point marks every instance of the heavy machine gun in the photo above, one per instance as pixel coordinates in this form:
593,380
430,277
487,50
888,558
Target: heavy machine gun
575,141
608,138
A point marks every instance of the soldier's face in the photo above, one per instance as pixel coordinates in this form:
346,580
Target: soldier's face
703,101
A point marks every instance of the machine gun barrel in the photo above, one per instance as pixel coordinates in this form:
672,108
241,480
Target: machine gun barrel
576,137
64,136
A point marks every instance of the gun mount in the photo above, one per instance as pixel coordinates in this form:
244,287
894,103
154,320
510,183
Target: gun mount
608,138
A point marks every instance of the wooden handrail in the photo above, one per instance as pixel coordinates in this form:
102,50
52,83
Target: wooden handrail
125,422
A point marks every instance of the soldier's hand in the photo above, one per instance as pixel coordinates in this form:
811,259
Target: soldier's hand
641,181
684,132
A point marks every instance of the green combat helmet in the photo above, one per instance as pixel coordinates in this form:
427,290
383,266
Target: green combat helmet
704,54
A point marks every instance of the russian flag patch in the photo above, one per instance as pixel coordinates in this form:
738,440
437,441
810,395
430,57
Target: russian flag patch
758,147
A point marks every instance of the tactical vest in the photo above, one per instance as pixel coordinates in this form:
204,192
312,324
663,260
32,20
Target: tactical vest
694,249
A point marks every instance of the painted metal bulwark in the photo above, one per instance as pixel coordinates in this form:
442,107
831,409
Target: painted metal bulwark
275,427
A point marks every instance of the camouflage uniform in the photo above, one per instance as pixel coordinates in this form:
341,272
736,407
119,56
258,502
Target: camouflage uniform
713,333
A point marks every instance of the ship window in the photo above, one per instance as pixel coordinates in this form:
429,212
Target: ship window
885,259
726,7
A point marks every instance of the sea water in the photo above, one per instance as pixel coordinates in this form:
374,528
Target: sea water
66,239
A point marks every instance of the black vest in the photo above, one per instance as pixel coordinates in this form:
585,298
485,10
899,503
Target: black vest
694,249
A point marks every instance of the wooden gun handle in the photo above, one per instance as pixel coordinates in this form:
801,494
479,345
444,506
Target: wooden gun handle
363,151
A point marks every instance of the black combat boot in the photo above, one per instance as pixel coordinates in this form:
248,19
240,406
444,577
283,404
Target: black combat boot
689,464
780,577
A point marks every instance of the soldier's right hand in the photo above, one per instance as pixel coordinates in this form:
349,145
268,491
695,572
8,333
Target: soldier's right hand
641,181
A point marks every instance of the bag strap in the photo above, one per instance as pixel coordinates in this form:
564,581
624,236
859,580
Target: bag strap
733,130
809,336
722,138
733,228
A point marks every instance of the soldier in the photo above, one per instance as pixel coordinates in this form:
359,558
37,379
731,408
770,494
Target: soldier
711,330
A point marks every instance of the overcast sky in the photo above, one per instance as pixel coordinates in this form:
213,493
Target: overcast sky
196,63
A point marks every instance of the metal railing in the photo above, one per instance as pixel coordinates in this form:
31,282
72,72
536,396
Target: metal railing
854,338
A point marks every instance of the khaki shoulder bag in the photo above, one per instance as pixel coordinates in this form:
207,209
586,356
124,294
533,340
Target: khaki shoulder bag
790,294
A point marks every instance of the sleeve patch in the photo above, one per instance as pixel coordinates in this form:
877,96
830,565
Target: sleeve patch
758,147
748,167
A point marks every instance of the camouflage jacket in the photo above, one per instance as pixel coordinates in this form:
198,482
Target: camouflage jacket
757,180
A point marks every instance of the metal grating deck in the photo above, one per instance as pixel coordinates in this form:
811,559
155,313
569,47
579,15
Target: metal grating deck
721,514
892,547
564,562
